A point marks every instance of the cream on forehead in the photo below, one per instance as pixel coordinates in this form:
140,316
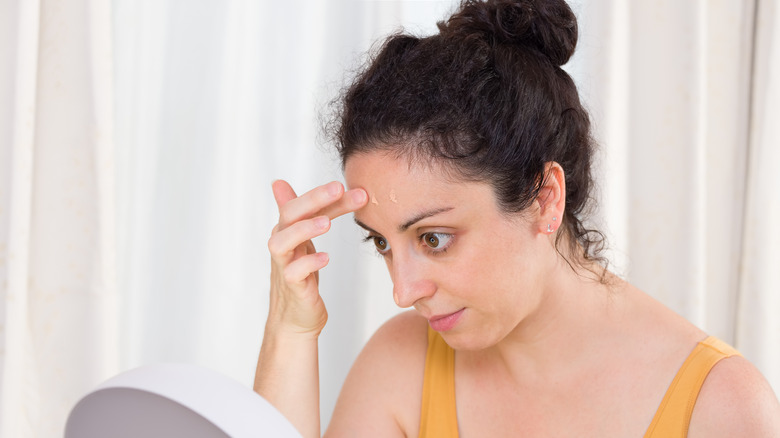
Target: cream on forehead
393,199
373,200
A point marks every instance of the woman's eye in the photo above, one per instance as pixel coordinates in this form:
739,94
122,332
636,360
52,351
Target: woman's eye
436,240
381,244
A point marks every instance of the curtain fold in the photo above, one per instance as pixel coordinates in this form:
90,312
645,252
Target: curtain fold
683,242
758,325
19,390
58,298
682,95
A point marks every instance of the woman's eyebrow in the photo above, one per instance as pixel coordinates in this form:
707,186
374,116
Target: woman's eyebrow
364,226
405,226
426,214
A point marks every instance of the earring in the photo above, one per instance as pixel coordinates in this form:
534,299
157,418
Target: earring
549,228
555,218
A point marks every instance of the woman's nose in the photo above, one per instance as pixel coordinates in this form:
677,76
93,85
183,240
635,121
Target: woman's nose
410,284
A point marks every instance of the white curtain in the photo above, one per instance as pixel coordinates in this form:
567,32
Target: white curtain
138,144
214,101
58,314
685,99
757,330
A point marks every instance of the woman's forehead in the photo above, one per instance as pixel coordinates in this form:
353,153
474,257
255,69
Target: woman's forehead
387,175
398,191
382,165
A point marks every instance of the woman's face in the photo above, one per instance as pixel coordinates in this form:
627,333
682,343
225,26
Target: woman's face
474,272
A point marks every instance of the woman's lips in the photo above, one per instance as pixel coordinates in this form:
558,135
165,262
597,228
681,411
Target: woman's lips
442,323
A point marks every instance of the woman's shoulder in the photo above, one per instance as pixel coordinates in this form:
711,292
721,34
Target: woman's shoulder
382,393
735,400
398,347
403,334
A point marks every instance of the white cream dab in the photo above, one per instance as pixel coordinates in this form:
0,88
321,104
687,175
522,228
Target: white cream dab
373,200
392,197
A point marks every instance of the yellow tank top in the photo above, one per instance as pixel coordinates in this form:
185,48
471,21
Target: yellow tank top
439,415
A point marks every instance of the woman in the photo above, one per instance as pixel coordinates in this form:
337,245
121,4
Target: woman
467,156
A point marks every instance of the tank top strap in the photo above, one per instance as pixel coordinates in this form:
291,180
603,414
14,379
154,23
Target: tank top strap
438,416
674,414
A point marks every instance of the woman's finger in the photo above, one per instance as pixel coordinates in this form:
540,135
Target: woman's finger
328,199
283,192
282,243
352,200
308,204
299,270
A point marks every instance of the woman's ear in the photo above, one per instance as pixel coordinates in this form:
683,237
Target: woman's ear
551,198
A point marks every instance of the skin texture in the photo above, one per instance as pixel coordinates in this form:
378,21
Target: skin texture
541,349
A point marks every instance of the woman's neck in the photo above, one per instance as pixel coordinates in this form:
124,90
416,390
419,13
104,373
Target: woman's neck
577,315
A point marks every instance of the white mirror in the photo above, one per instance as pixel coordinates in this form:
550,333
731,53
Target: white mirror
175,400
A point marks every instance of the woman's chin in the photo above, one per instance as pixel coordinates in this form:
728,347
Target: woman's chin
466,341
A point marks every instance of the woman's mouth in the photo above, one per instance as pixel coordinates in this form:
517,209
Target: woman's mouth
443,323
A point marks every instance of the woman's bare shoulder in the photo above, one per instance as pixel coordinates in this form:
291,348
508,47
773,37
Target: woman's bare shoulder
382,393
735,400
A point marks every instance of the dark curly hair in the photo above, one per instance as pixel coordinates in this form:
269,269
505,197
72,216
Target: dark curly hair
487,98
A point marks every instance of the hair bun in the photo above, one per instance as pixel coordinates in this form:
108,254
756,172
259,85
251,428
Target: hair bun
549,26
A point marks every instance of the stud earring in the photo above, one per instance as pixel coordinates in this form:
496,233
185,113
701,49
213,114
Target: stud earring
549,228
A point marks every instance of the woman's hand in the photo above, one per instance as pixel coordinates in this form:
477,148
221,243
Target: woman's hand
287,369
296,306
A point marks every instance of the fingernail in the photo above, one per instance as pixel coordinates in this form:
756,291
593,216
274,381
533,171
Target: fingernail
321,222
359,196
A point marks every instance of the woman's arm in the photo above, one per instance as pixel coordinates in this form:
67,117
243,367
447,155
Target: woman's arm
287,370
287,376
